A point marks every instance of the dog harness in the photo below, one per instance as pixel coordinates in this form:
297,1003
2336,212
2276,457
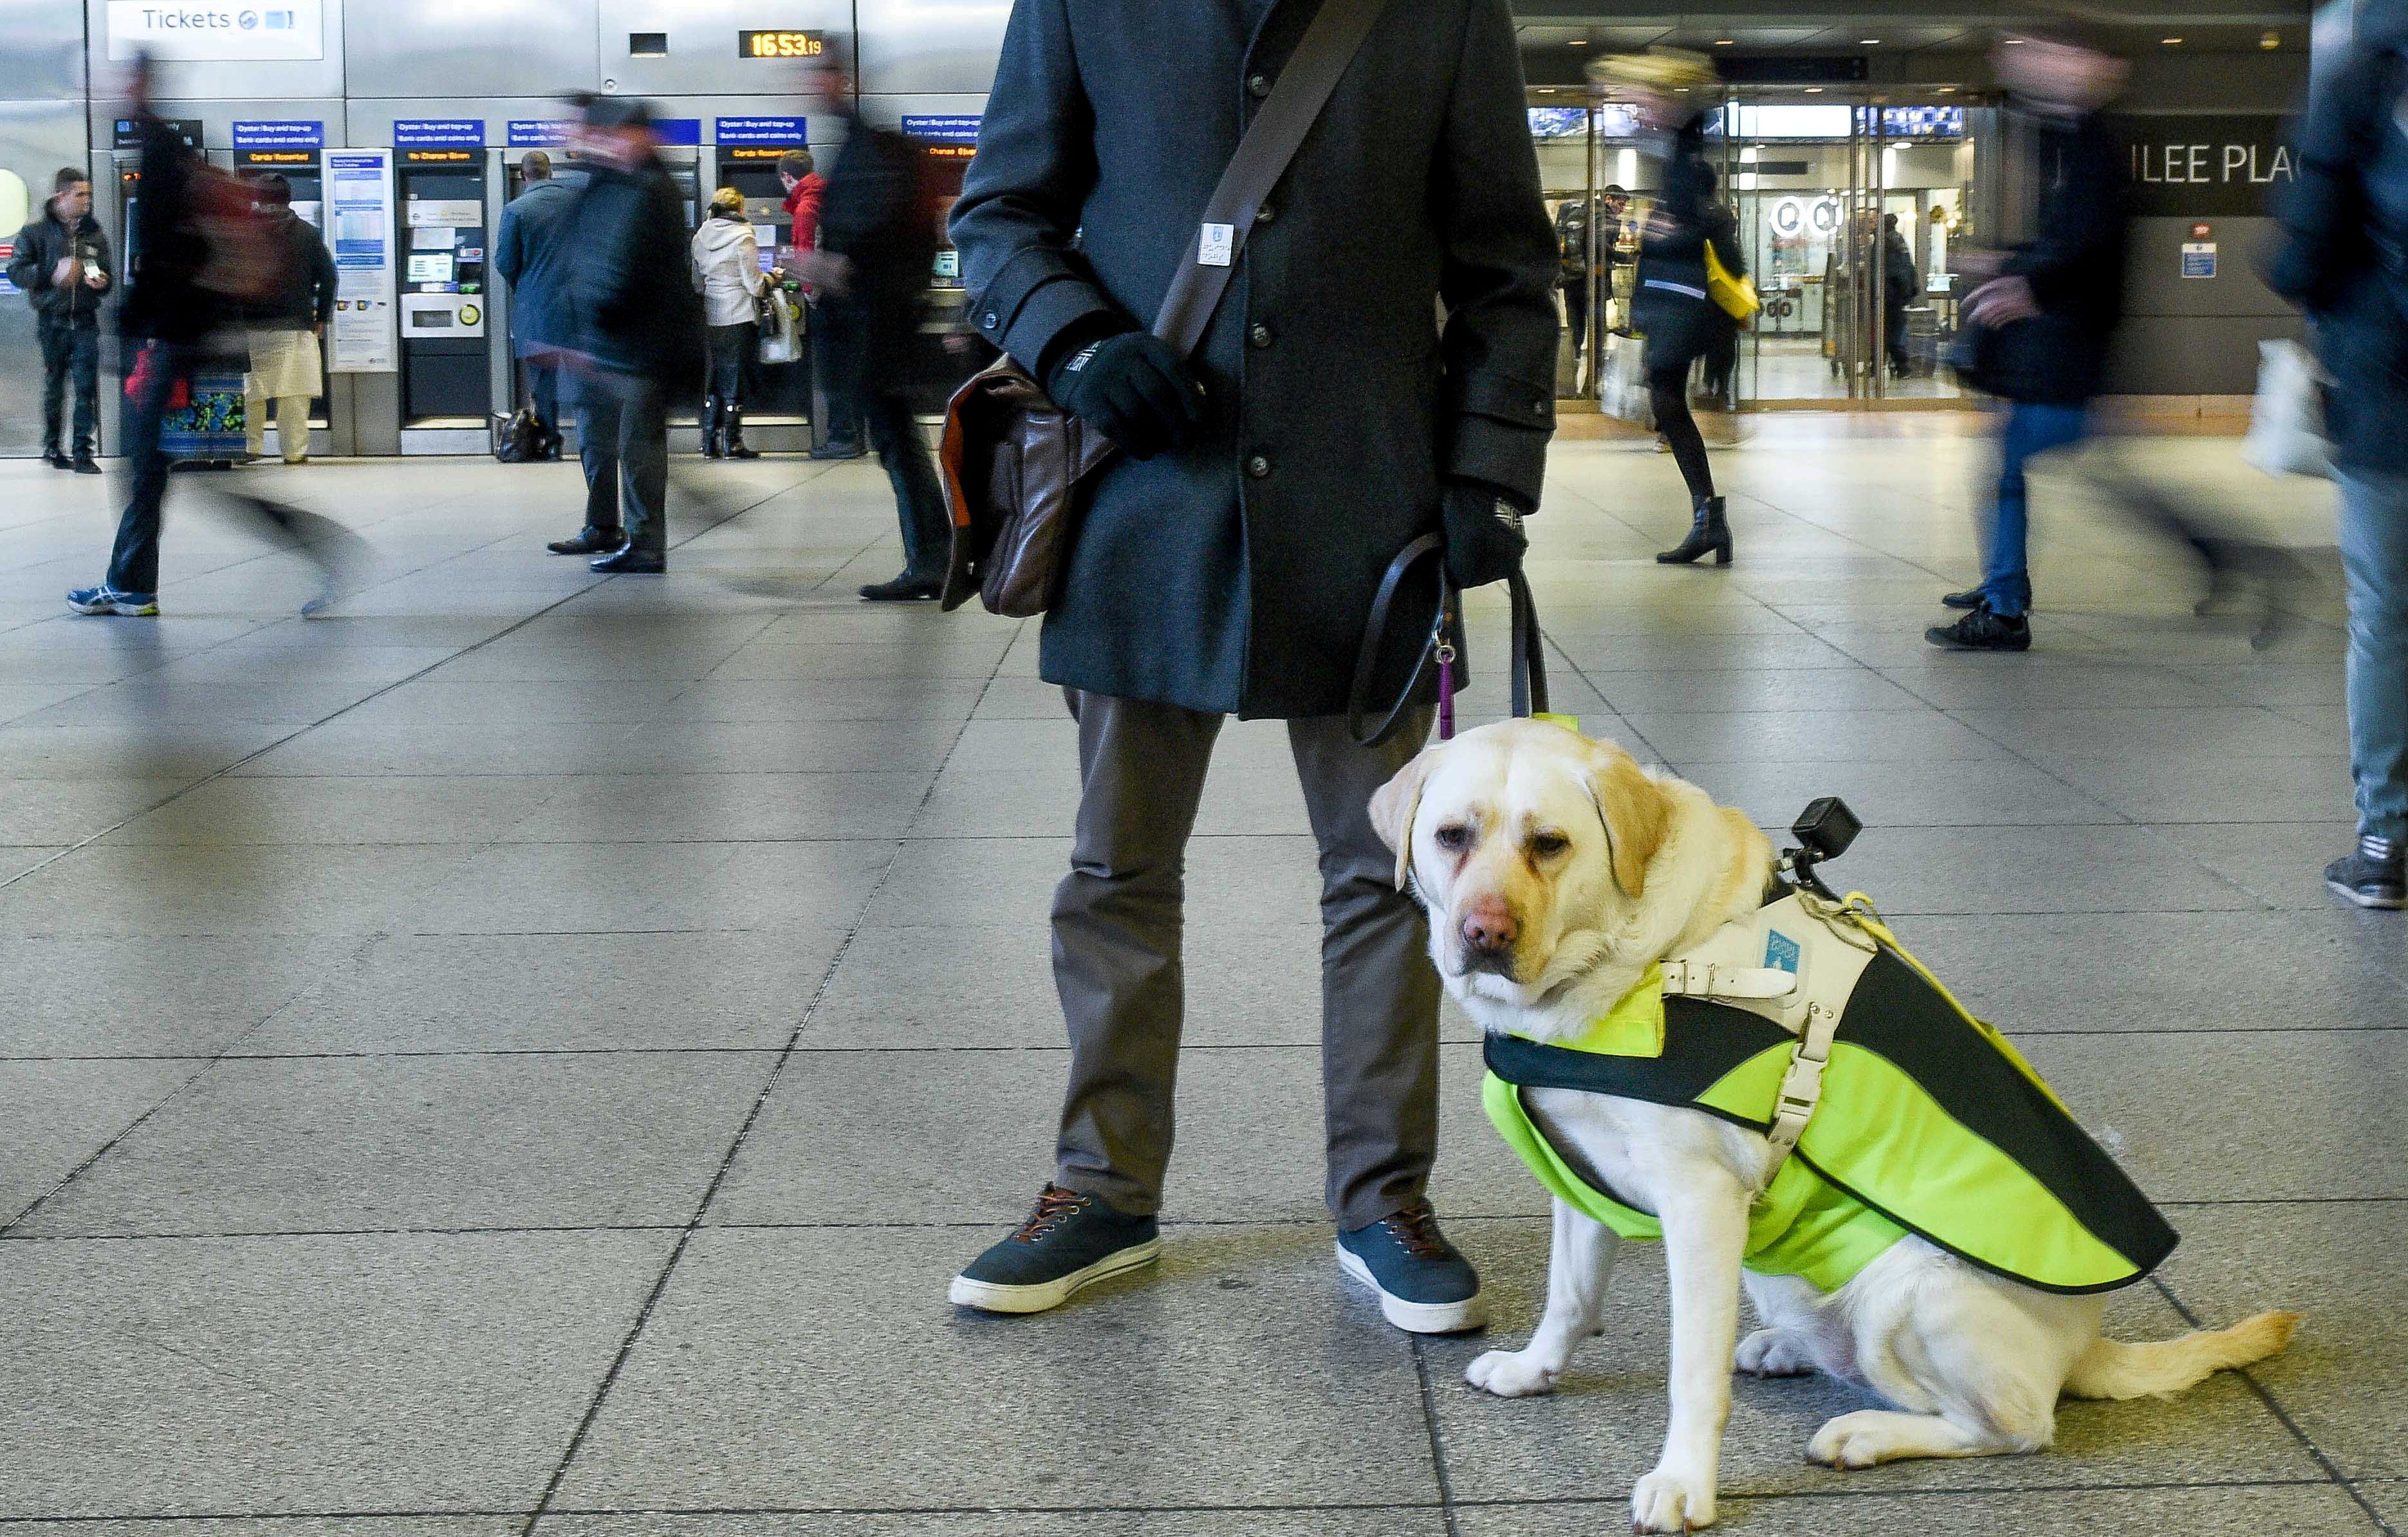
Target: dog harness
1892,1110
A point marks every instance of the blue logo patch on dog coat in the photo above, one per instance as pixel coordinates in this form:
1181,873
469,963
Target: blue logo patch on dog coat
1781,952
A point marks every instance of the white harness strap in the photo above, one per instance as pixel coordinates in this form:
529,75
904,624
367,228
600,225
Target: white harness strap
1806,998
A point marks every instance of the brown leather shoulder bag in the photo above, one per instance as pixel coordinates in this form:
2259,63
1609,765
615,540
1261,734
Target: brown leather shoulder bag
1017,467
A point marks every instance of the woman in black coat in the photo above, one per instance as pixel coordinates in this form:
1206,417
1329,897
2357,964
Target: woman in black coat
1681,323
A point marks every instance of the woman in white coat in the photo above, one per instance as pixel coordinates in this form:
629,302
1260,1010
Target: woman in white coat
728,272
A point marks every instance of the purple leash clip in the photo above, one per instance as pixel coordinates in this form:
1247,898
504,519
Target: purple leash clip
1445,645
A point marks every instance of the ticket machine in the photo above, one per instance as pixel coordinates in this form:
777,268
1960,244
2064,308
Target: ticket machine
446,377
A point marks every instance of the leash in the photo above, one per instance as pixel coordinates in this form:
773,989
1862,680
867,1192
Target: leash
1443,648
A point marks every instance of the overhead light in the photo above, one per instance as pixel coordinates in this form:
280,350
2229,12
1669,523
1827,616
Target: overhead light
2170,42
2012,42
1576,42
1948,90
1725,42
1813,91
1868,42
2271,40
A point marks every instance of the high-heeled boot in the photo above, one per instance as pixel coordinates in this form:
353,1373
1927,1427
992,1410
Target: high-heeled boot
731,437
710,449
1709,530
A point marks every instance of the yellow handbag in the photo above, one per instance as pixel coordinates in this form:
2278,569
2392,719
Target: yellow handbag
1736,296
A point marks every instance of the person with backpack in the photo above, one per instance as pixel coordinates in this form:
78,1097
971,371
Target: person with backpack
283,332
528,256
2343,259
61,265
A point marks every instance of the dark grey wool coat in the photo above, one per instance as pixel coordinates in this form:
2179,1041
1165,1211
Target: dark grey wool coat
1237,573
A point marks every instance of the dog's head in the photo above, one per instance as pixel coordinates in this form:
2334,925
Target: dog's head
1531,845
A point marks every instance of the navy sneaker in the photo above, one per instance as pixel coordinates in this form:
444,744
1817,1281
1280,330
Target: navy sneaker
106,599
1424,1286
1070,1241
2375,875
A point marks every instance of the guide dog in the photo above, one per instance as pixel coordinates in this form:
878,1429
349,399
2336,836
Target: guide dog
1555,872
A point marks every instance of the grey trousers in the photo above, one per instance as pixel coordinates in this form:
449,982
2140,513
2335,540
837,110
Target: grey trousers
1117,928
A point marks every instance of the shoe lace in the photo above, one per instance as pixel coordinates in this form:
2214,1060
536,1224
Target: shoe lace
1054,1204
1416,1229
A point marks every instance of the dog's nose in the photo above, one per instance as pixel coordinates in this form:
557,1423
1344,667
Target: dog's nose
1489,929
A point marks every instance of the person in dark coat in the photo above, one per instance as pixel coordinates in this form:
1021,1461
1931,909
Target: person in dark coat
165,317
285,330
1898,287
877,252
635,324
1670,304
1228,558
2050,308
61,264
529,256
2344,226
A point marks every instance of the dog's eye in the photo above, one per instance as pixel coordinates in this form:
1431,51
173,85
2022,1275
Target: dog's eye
1454,838
1548,844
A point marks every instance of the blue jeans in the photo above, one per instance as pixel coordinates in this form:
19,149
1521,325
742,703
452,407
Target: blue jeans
2374,561
134,564
2032,429
70,354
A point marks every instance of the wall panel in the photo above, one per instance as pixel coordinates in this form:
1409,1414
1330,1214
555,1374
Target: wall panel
930,47
255,78
702,59
471,48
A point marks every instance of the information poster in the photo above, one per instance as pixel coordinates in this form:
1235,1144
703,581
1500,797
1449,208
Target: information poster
359,205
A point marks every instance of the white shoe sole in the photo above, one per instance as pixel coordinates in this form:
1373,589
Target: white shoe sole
1418,1318
2360,899
1044,1296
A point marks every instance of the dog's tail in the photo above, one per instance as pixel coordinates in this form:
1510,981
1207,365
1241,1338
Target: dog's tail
2112,1369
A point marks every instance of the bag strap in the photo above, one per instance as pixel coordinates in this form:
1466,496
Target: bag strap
1270,142
1529,666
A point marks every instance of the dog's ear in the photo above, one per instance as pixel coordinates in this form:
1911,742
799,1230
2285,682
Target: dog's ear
1637,814
1394,806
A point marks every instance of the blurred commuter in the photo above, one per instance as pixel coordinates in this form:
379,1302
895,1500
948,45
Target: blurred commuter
878,245
283,332
2345,227
62,264
1897,290
635,326
1227,560
2044,313
1671,305
528,254
727,274
201,254
835,354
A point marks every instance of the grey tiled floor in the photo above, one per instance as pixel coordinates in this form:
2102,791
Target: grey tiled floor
523,1051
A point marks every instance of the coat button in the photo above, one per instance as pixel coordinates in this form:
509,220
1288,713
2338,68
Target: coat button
1537,408
988,319
1258,87
1258,335
1259,467
1265,214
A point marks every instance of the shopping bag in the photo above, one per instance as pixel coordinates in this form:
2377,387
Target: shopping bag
781,328
2287,420
1622,383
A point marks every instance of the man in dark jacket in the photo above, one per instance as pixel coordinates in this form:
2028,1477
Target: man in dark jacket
1227,560
529,256
1899,288
636,328
878,242
62,264
2345,229
286,366
2051,306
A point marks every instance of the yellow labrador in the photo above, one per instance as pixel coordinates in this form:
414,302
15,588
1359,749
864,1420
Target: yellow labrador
1556,871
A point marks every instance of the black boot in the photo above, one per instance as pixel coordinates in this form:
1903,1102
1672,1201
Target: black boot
1709,530
711,429
731,442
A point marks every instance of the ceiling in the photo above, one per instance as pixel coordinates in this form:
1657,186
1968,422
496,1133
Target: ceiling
1559,36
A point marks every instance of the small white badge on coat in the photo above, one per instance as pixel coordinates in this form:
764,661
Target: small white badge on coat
1219,243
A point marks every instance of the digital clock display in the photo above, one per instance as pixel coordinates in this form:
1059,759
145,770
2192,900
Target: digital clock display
781,45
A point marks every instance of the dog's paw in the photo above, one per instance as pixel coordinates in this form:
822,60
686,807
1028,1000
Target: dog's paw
1859,1440
1672,1502
1510,1373
1772,1353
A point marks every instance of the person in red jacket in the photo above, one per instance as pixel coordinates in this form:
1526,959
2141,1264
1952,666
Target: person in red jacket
836,352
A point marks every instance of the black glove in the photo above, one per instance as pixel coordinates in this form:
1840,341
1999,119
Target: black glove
1133,389
1483,535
